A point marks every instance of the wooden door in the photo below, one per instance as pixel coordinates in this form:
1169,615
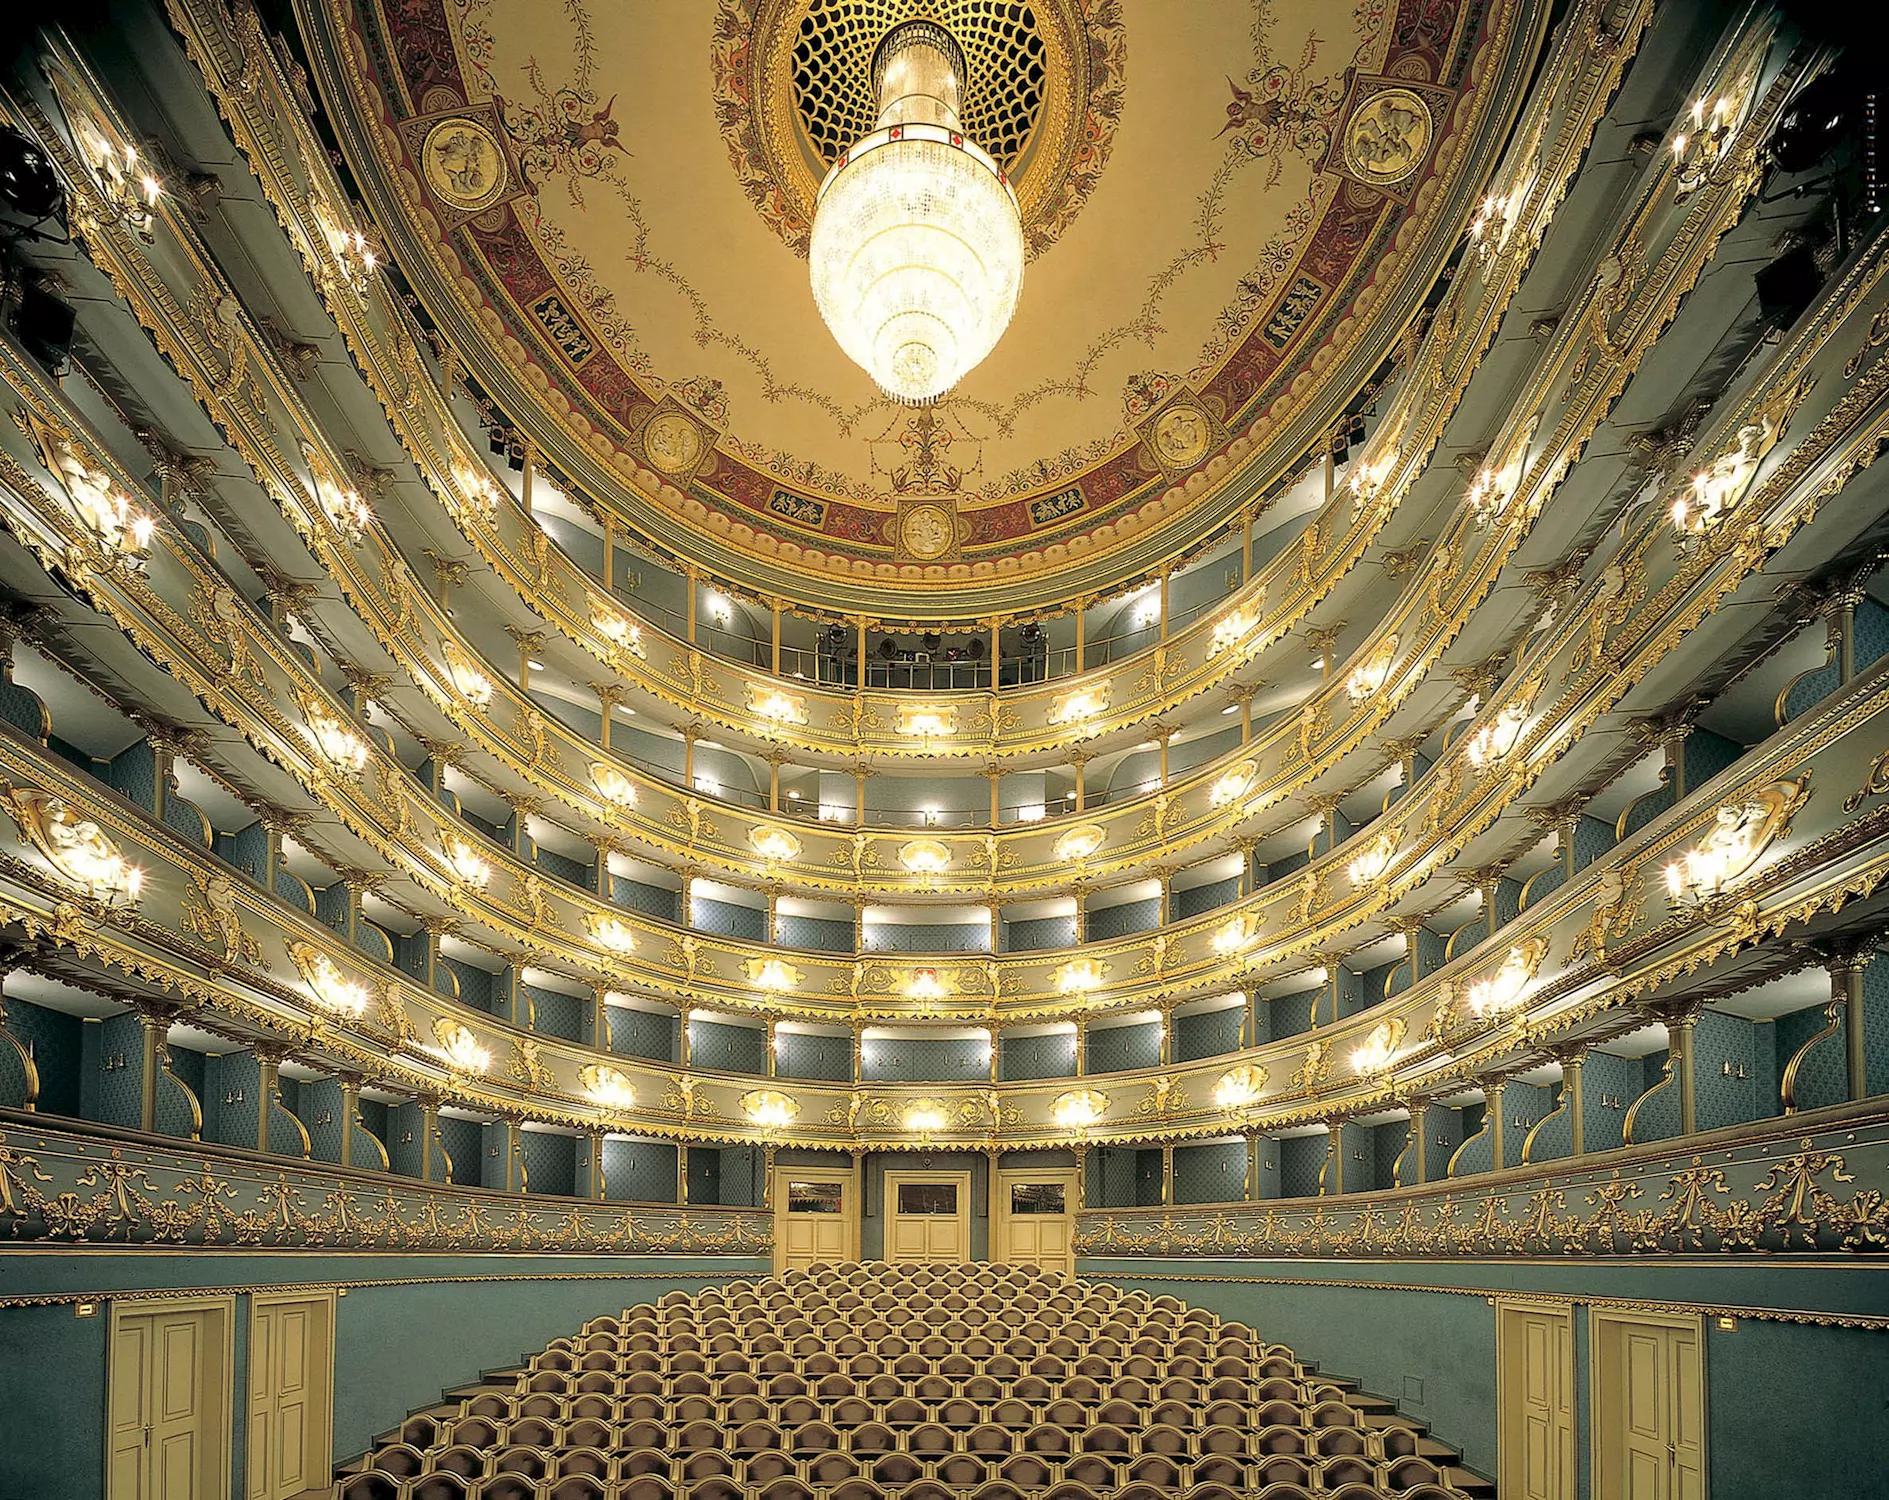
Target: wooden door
168,1404
1535,1376
816,1216
928,1216
1035,1219
291,1395
1649,1404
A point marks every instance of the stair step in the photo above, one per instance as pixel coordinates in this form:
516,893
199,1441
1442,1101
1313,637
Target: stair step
1469,1482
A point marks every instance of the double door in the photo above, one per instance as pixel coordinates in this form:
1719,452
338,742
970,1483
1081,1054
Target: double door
1649,1406
168,1402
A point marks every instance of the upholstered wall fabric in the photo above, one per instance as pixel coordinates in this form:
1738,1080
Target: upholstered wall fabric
904,1059
810,1054
1113,1049
397,1346
1050,1054
1207,1033
56,1044
641,1033
639,1171
1424,1336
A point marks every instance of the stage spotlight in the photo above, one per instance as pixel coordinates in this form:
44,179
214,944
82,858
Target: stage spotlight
30,189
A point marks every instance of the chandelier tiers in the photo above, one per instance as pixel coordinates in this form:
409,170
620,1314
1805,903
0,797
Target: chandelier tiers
917,247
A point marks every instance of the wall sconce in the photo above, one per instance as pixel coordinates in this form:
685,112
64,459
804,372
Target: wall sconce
1370,675
120,526
406,1137
1489,230
1078,1109
355,259
1704,136
1611,1101
460,1048
612,785
343,749
617,628
1495,739
1369,866
346,511
131,190
775,706
470,683
773,974
1079,843
234,1096
1230,634
1078,708
769,1108
464,862
926,722
1079,976
1234,784
927,984
114,1062
1379,1050
925,858
609,1087
925,1118
473,493
326,1117
1239,1088
1733,1070
1740,833
331,989
1236,934
1502,990
773,844
1713,491
612,933
75,846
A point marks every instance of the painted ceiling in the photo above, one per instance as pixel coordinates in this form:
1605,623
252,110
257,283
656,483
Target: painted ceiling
1233,208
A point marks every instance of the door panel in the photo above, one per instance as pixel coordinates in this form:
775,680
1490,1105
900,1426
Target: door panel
127,1456
1034,1222
1649,1403
167,1417
815,1218
1535,1376
290,1396
928,1216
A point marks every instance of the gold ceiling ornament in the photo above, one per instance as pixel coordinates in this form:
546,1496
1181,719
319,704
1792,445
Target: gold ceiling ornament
607,1086
459,1048
332,990
76,847
1078,1109
916,253
1041,92
1388,137
1741,831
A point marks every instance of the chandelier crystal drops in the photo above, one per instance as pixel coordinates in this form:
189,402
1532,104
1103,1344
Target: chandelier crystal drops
917,249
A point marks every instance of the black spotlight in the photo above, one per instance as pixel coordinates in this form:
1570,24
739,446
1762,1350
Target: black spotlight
44,323
30,188
1817,122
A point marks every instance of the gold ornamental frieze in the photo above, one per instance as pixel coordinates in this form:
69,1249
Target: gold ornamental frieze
298,985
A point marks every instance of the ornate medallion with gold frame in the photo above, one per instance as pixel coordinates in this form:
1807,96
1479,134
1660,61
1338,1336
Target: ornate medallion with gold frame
674,442
461,156
927,530
1181,432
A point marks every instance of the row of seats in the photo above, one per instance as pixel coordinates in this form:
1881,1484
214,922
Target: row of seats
902,1380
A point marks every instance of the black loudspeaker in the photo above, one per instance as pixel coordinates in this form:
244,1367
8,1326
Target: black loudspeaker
29,183
44,324
1788,285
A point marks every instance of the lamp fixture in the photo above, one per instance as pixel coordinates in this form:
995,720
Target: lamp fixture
463,860
1079,976
355,259
917,245
1740,832
1700,143
131,190
472,684
613,933
927,984
460,1048
332,990
120,525
1702,504
1239,1088
1078,1109
617,628
926,723
612,785
1230,634
337,744
773,974
1373,861
925,1117
925,857
1373,672
1495,739
74,846
777,707
773,844
1234,784
1079,843
1078,707
769,1108
1379,1049
608,1086
346,511
1502,991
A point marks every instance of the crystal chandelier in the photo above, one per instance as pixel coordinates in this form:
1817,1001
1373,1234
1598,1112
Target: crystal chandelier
917,249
